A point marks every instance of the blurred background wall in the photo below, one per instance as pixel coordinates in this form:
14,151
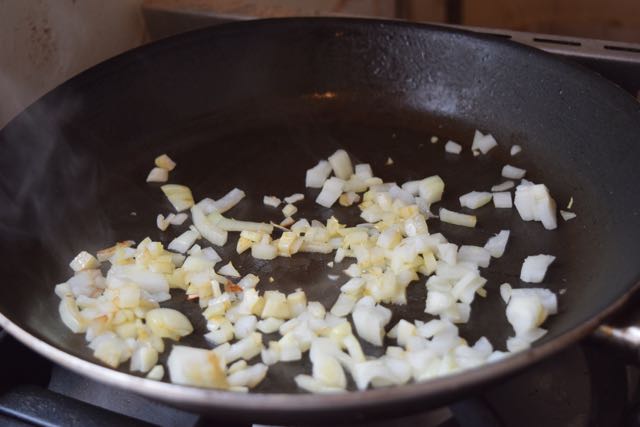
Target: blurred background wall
44,42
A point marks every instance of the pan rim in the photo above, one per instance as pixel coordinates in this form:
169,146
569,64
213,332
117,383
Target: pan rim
306,403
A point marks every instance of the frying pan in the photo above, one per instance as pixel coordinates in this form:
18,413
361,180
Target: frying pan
254,105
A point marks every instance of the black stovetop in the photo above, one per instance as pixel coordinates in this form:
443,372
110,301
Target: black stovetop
586,385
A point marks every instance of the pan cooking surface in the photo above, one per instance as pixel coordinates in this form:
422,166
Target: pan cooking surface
72,168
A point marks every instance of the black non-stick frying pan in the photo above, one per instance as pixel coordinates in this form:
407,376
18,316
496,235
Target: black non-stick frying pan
254,105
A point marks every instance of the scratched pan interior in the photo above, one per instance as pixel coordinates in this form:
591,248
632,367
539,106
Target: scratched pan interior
253,105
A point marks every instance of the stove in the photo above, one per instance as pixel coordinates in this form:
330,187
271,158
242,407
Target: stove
585,385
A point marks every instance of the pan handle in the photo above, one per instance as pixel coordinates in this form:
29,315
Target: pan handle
625,338
622,331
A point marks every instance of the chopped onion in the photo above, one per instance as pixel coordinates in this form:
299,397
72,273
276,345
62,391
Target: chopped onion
331,191
158,175
341,164
230,224
475,199
457,218
84,261
163,161
534,203
507,185
502,199
497,244
183,242
271,201
207,228
179,196
177,219
289,210
505,292
197,367
364,171
515,149
535,267
229,270
317,175
343,305
229,200
431,189
512,172
484,143
474,254
168,323
156,373
566,215
294,198
452,147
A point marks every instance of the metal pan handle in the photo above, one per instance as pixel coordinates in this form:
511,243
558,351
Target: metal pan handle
622,331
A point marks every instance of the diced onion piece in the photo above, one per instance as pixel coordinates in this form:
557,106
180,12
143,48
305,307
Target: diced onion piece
341,164
229,270
525,313
548,299
317,175
246,348
168,323
497,244
177,219
364,171
484,143
431,189
289,210
156,373
229,224
84,261
370,320
331,191
343,305
163,161
245,326
197,367
183,242
249,281
161,222
71,316
310,384
269,325
207,228
229,200
389,161
505,292
143,358
570,204
158,175
271,201
475,199
534,203
249,377
474,254
328,371
502,199
535,267
507,185
515,149
457,218
179,195
294,198
452,147
566,215
512,172
275,305
264,250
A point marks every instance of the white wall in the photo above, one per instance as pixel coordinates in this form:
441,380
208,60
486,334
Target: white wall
44,42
